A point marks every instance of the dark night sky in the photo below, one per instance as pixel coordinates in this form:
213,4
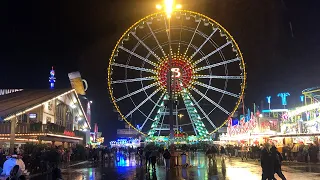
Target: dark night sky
80,35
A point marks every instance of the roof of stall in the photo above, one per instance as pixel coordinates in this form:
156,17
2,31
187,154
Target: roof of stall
11,104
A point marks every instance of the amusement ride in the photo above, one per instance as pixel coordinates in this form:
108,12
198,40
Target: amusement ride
178,72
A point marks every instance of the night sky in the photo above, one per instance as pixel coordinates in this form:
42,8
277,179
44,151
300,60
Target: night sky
80,35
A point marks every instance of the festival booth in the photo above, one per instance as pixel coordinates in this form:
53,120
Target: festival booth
300,126
251,130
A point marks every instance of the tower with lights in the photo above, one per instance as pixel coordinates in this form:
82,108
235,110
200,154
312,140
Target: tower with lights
52,78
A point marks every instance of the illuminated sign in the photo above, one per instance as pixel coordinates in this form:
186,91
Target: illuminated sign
176,72
8,91
69,133
78,83
32,115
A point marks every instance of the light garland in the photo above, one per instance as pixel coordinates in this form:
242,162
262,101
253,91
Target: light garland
44,134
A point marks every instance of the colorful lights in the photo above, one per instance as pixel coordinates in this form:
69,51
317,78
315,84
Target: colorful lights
182,72
126,142
115,52
52,78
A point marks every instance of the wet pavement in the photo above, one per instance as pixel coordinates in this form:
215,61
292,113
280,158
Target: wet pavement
200,169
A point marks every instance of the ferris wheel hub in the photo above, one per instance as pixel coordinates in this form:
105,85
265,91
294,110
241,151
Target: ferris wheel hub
182,73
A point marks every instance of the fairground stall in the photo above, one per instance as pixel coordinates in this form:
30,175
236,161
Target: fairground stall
246,130
300,126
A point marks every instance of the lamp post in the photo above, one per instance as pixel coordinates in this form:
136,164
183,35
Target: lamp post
180,116
168,7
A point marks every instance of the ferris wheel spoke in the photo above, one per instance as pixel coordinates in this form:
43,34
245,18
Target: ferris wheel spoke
138,56
210,100
132,80
156,39
154,107
137,91
217,64
213,52
207,39
217,77
134,68
216,89
142,103
161,125
202,111
141,42
194,33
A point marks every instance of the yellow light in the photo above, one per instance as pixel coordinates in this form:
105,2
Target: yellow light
178,6
158,6
168,7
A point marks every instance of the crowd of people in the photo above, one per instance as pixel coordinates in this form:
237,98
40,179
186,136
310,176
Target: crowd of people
295,152
39,158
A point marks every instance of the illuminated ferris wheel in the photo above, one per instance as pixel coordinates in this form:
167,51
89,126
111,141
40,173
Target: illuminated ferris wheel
188,55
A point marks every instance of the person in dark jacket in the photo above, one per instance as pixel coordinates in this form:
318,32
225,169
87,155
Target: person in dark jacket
147,156
267,163
167,156
56,173
214,151
277,163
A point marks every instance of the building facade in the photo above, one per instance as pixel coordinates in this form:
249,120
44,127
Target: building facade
43,116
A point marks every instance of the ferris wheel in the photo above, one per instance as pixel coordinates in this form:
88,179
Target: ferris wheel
207,74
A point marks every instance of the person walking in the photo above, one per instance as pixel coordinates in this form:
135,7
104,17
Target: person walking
147,156
153,159
277,163
209,154
267,163
214,151
244,152
167,157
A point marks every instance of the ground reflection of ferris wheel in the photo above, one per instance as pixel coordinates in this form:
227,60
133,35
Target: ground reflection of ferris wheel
206,66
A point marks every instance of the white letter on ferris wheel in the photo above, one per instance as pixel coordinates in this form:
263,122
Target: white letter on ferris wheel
176,71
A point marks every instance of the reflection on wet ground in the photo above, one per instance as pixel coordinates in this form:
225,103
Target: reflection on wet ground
200,169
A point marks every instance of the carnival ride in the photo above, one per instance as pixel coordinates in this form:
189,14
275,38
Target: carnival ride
186,54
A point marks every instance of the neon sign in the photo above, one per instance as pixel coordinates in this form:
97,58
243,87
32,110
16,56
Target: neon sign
69,133
8,91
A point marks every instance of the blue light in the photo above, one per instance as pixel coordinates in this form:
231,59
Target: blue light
269,99
52,78
283,97
301,98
